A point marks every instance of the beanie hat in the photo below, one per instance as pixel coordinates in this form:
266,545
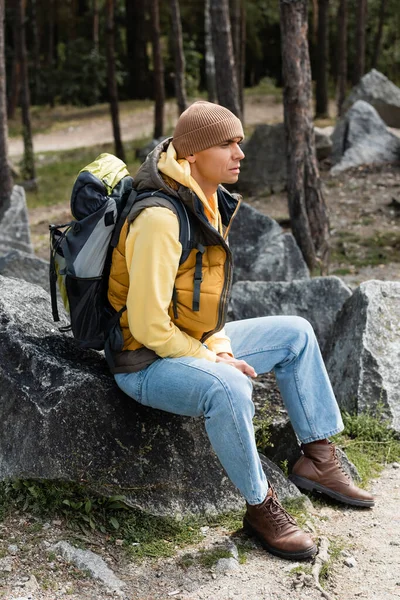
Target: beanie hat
204,125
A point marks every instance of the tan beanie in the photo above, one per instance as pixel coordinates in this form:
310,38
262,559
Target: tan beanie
203,125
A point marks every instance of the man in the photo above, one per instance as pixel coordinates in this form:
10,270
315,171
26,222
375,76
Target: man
177,356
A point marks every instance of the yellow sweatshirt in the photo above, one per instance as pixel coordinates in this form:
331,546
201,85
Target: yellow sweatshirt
154,238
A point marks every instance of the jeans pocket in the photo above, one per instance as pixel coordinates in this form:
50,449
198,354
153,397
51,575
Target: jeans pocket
131,384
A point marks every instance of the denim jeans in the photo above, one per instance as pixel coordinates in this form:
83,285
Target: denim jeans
223,395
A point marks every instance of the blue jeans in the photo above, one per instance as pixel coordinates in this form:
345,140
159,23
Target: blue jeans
223,395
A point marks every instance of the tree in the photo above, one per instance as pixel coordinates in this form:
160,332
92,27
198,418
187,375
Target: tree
209,57
225,69
238,27
307,208
5,174
378,36
137,59
180,88
359,60
112,82
28,160
159,89
322,69
342,55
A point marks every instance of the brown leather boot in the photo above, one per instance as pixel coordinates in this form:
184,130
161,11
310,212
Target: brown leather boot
277,530
319,469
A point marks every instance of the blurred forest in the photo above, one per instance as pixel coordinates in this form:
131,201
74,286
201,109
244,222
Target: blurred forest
67,45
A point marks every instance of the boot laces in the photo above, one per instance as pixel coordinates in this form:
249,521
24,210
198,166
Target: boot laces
279,514
338,461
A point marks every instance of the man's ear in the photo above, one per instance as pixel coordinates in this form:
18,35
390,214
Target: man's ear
191,158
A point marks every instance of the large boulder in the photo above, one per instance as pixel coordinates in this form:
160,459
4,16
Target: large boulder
264,168
319,300
261,249
28,267
381,93
361,137
363,355
62,417
14,226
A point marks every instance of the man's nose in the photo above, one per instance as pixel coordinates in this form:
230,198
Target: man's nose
239,154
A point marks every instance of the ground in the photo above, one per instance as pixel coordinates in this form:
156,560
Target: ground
364,212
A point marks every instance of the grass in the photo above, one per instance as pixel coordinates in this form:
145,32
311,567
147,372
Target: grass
369,443
380,248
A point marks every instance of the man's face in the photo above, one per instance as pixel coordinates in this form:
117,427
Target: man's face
219,164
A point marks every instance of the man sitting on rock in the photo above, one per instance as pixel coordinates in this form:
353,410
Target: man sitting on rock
177,355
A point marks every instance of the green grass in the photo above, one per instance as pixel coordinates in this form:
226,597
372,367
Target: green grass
369,443
381,248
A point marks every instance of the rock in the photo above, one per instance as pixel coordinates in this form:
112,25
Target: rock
224,565
13,549
262,251
63,397
323,142
350,562
381,93
362,353
264,169
89,561
14,226
284,488
22,265
141,153
32,584
361,137
396,465
319,300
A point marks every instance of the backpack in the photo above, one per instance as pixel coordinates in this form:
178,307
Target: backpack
81,250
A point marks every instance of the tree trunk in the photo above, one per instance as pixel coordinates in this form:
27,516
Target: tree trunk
36,52
5,173
314,32
28,161
210,58
322,60
238,25
225,69
140,85
112,82
307,209
15,84
159,90
361,20
96,25
180,87
378,37
342,55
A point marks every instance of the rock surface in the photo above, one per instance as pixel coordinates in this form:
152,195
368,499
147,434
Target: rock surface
262,251
361,137
323,141
376,89
362,358
28,267
319,300
89,561
63,417
264,169
14,226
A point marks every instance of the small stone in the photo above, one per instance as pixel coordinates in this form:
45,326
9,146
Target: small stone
350,562
396,465
13,549
119,542
345,553
226,564
204,529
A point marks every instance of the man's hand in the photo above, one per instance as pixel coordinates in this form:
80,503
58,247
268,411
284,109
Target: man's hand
238,364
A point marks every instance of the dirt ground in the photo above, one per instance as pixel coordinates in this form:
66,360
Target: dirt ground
364,211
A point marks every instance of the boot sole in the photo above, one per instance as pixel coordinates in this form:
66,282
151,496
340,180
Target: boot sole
312,486
300,555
